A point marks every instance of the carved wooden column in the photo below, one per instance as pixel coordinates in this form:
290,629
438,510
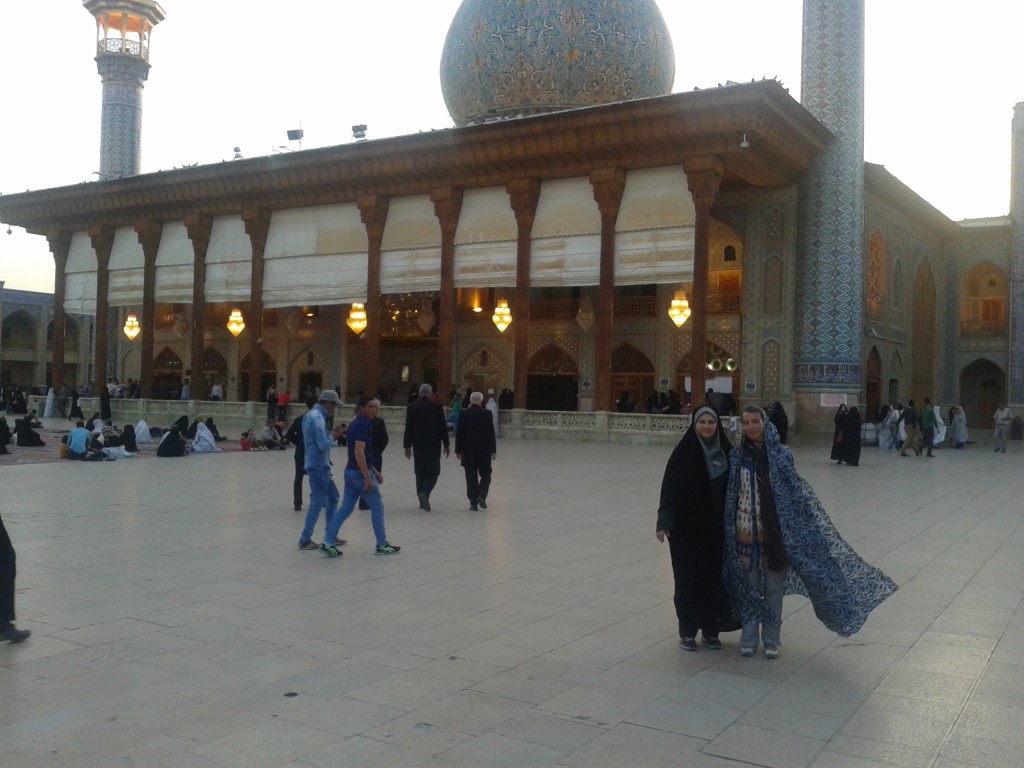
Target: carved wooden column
257,225
703,176
447,207
523,195
608,184
149,233
102,238
374,211
199,227
60,245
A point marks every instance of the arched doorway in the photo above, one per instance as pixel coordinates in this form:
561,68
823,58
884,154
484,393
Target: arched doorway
922,369
632,372
552,381
215,368
167,375
872,384
982,388
268,374
19,350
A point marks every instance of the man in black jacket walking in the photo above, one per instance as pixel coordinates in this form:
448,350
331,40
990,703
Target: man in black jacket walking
476,447
425,432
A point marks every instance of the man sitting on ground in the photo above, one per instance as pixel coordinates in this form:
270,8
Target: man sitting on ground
78,441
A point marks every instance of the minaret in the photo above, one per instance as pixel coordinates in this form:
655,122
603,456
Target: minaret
122,58
830,250
1016,389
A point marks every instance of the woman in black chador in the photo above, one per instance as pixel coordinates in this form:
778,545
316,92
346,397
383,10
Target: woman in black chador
837,437
850,450
690,517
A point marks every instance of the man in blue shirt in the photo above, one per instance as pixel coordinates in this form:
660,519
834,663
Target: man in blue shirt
78,441
318,442
362,480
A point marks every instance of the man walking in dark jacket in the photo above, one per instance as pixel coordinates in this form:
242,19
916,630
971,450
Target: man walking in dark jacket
476,447
425,432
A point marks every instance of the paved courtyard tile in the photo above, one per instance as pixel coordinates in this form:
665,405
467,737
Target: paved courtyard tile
175,622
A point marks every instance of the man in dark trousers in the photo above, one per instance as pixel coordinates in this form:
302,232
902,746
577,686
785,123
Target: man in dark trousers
379,441
476,447
425,432
294,436
8,632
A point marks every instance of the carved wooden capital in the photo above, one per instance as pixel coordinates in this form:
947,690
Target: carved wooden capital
149,232
102,238
373,209
257,226
608,184
199,226
447,207
60,246
523,195
703,176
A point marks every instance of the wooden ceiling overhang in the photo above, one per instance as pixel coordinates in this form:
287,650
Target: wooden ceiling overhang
782,136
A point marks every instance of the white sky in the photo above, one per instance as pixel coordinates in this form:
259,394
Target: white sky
940,87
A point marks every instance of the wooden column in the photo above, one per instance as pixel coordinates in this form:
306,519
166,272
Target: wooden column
102,238
257,225
447,207
199,228
703,176
523,196
149,233
60,245
608,184
374,211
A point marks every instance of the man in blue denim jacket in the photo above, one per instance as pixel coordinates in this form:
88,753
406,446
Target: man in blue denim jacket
318,442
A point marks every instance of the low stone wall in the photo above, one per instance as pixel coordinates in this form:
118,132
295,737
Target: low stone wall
233,418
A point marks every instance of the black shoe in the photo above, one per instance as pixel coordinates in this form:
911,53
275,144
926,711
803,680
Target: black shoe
297,507
473,508
424,501
688,643
11,634
483,504
713,643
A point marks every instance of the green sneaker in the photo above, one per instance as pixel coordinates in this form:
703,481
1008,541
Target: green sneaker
388,549
329,551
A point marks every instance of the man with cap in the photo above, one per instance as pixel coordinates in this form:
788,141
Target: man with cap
425,432
317,441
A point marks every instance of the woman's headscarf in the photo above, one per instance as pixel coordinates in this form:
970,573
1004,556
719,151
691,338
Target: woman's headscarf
716,451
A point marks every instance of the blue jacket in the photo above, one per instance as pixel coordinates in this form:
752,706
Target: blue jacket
316,439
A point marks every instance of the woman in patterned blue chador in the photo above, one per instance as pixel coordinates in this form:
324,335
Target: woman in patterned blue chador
779,540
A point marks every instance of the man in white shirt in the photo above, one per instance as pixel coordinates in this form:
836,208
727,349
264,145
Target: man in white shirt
1001,419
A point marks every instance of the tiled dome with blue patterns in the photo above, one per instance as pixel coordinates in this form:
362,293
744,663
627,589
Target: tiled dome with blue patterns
504,58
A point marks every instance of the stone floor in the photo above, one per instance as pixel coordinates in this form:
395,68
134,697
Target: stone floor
176,624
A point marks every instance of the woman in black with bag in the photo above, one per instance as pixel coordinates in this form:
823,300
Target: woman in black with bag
690,517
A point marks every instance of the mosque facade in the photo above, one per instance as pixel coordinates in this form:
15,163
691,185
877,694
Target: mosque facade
577,193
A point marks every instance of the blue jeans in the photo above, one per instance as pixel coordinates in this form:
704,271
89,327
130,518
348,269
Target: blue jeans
322,492
773,588
355,489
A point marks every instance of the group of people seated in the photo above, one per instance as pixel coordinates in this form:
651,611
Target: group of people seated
198,437
270,438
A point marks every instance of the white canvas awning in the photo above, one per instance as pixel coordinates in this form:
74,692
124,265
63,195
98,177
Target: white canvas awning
411,247
80,276
315,255
485,242
174,265
125,269
228,261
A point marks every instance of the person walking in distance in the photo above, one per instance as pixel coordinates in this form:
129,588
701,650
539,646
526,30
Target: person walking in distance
1001,419
362,481
476,448
294,436
426,431
927,420
910,420
317,442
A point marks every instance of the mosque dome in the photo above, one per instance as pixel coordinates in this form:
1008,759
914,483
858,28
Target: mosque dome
505,58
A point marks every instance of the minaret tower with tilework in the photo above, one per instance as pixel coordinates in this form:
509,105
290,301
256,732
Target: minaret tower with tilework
1016,388
830,254
122,58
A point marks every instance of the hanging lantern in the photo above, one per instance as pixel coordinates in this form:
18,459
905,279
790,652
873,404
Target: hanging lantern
585,314
235,323
502,316
679,312
357,318
180,326
426,319
131,326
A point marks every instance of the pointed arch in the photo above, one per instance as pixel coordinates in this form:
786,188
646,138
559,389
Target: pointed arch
552,360
19,330
628,359
984,300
